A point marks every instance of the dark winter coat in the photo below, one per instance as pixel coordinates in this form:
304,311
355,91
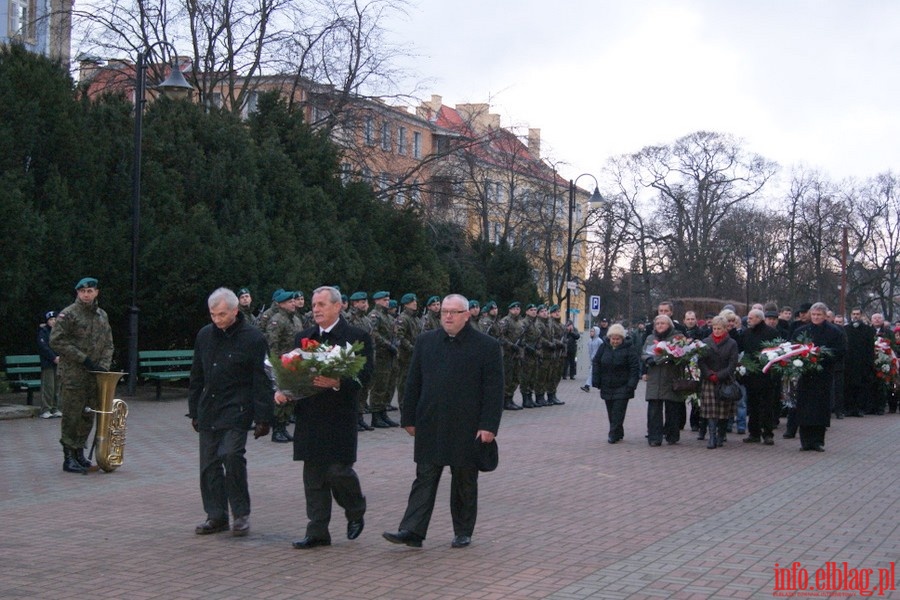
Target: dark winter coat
859,363
326,422
721,359
48,356
660,375
229,386
616,371
815,389
454,388
752,341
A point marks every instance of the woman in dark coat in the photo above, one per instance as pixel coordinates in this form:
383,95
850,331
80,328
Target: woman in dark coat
616,371
717,366
664,407
815,388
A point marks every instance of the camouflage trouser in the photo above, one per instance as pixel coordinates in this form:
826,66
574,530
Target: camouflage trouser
555,372
362,399
512,371
530,371
283,413
382,382
402,372
542,374
76,392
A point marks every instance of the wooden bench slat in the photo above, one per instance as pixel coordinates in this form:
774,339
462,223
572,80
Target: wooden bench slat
20,370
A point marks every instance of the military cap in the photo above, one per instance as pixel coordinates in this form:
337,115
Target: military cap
49,315
243,291
392,304
344,298
554,308
358,296
530,306
474,304
407,298
86,282
276,293
380,295
541,307
489,305
514,304
299,293
433,299
282,296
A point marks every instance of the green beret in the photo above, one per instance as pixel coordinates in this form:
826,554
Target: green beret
359,296
530,306
87,282
344,298
380,295
541,307
276,293
299,293
407,298
514,304
474,304
282,296
392,304
243,291
433,299
490,304
554,308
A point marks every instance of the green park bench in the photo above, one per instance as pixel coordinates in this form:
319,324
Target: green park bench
23,371
164,365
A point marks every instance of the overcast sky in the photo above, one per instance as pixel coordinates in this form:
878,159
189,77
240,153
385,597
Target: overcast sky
811,82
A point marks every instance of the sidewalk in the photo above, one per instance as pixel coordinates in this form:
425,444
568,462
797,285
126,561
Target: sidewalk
565,516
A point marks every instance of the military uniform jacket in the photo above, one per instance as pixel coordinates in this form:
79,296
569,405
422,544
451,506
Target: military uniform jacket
533,336
454,389
557,333
229,386
81,331
489,326
281,329
511,330
407,329
431,321
382,332
359,319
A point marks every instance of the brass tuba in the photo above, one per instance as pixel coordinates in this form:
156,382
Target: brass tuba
109,437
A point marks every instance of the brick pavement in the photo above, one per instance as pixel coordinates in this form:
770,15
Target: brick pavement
565,516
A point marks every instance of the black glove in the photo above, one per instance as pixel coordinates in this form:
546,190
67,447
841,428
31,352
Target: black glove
393,349
260,430
196,425
92,366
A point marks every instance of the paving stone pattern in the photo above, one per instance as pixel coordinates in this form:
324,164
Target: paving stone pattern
565,516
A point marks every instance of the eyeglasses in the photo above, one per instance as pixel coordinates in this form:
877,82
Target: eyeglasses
450,313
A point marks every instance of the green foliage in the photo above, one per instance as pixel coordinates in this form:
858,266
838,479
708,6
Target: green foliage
224,202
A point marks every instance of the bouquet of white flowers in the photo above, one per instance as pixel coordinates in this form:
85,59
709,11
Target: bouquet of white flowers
295,370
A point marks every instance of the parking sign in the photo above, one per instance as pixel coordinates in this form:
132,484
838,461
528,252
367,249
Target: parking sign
595,306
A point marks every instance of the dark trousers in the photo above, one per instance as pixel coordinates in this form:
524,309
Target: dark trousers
320,483
569,366
811,436
223,473
463,499
837,397
759,412
791,427
665,418
615,410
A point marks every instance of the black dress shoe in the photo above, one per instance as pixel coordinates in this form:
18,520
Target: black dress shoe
361,425
211,526
310,542
655,443
818,448
612,439
510,405
354,528
789,436
403,537
241,526
460,541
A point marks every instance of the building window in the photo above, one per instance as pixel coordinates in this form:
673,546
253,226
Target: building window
346,173
496,233
214,100
385,182
559,248
21,19
386,136
369,131
417,144
401,140
250,106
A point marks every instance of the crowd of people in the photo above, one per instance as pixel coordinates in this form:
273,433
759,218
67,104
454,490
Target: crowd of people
729,396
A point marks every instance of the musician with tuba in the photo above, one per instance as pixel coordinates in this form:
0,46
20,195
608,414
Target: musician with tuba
83,339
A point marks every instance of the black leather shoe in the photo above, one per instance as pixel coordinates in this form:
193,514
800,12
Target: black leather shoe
655,443
310,542
362,425
768,440
818,448
82,460
389,421
510,405
789,436
403,537
751,439
241,526
281,436
379,421
70,464
460,541
354,528
211,526
611,439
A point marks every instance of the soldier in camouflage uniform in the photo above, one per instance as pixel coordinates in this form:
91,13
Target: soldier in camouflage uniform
267,313
245,305
281,328
359,317
531,341
474,312
305,317
558,353
83,339
488,323
383,381
406,330
432,317
509,331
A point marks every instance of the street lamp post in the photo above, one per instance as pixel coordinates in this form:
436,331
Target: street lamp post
174,84
595,198
751,260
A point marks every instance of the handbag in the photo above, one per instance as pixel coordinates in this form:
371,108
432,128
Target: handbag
729,391
685,386
487,456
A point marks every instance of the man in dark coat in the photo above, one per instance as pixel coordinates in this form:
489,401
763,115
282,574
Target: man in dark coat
815,389
229,390
760,386
325,435
859,364
454,397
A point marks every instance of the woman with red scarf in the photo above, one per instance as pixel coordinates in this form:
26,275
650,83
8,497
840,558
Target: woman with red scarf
717,366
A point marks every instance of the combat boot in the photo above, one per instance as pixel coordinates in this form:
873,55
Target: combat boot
540,400
552,400
510,405
70,463
380,420
280,434
82,460
527,401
